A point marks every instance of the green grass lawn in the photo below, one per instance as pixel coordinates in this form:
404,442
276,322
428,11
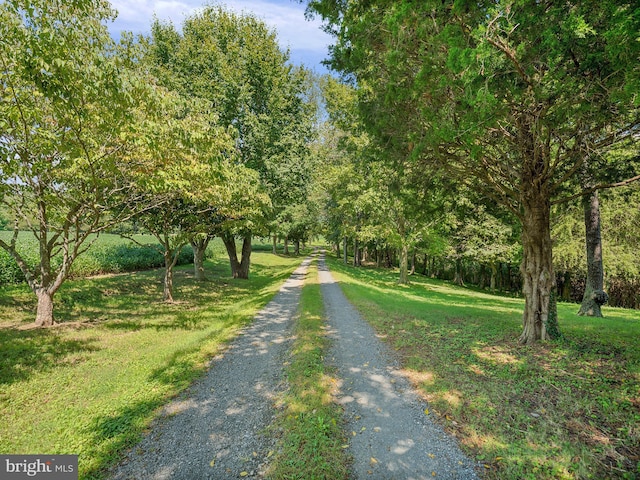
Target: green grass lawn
91,384
566,409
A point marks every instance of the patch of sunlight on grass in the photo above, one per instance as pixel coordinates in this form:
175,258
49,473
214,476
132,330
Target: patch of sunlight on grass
495,354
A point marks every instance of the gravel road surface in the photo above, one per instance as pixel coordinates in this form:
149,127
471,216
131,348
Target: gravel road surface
215,430
391,435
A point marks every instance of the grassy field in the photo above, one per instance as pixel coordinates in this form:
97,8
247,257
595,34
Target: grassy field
567,409
108,254
91,385
311,440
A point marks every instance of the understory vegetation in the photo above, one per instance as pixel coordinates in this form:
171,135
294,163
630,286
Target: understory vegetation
563,409
110,254
90,386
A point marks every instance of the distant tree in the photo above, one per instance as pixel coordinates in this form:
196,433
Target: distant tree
234,62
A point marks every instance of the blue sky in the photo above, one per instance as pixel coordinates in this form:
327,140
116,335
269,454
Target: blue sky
305,40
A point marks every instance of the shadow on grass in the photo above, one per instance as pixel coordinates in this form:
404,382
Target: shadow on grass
115,433
27,352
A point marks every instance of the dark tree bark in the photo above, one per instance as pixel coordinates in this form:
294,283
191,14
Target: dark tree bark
296,246
167,293
356,253
239,268
458,278
594,294
344,250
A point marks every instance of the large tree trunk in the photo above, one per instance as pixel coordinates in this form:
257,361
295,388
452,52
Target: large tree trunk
239,269
199,246
536,268
594,295
44,312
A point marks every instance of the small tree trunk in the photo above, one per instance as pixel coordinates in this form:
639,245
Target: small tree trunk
356,253
286,245
594,295
494,274
274,250
170,259
296,248
199,246
413,263
230,244
344,248
458,277
44,312
404,265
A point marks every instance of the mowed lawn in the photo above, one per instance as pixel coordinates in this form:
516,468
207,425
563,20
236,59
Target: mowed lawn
564,409
91,384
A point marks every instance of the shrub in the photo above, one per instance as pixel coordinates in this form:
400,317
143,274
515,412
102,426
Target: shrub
101,258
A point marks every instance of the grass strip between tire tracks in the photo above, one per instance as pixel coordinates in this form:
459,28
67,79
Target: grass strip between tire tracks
311,443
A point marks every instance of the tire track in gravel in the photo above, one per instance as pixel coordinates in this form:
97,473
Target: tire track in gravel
215,430
392,436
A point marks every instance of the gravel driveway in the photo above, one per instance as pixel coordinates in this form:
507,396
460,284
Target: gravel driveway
215,430
391,436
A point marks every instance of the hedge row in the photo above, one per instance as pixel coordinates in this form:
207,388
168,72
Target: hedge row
99,259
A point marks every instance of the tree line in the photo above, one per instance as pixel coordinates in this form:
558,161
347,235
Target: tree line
506,110
462,139
191,135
